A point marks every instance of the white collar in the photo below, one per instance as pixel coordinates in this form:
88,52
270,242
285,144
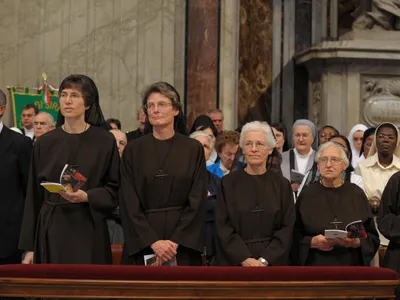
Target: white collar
224,170
303,156
1,126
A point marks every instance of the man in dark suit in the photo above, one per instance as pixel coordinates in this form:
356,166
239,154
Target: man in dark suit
15,153
141,120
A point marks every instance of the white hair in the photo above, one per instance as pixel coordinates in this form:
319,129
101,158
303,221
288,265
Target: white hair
197,133
343,154
49,118
261,127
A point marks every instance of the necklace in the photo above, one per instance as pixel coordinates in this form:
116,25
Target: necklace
84,129
161,163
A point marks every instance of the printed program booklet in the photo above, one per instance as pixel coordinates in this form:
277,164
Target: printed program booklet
70,181
353,230
150,260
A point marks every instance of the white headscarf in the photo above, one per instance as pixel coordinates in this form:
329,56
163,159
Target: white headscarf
356,154
374,149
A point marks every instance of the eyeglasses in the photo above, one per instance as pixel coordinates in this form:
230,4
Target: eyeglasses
259,145
323,161
160,105
382,136
72,96
299,135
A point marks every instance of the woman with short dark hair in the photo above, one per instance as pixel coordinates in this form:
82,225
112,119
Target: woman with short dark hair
70,227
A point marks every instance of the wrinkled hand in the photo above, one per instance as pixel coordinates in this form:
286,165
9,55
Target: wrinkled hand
252,262
164,250
348,242
295,187
322,243
75,197
28,259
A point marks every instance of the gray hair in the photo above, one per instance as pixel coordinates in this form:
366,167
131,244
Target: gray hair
343,154
197,133
215,111
49,117
3,98
117,130
261,127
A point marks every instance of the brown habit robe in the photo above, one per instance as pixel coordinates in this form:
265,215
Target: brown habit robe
163,197
71,233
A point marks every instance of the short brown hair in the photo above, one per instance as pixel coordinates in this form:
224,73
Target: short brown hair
226,137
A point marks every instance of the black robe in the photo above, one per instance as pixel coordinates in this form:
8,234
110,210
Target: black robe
170,207
213,186
242,230
318,206
389,222
71,233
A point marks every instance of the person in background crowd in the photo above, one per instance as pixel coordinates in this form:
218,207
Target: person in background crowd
15,155
356,140
43,122
255,210
114,123
368,139
120,138
29,111
141,121
70,227
213,185
204,123
218,119
280,134
348,175
227,145
301,157
326,133
163,187
338,203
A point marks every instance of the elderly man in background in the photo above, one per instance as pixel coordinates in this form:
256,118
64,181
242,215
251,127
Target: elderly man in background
141,121
120,138
43,122
218,119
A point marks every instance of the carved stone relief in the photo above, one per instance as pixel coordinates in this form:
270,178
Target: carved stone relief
380,100
316,102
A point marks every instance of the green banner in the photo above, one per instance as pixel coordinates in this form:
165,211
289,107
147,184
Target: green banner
21,97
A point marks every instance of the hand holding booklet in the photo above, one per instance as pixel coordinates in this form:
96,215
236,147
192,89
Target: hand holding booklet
353,230
296,176
70,181
150,260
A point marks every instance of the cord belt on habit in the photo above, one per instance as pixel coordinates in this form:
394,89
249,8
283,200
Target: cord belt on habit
164,209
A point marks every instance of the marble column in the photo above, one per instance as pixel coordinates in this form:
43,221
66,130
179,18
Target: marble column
124,45
255,60
202,54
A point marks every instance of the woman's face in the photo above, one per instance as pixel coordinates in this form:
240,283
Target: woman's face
367,145
330,163
280,139
206,145
160,110
325,134
72,104
343,143
255,148
357,140
210,133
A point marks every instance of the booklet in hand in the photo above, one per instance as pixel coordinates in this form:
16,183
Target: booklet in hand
296,176
70,181
353,230
150,260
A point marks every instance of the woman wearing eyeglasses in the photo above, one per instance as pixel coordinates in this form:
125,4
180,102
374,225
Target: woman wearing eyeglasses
163,187
254,215
332,203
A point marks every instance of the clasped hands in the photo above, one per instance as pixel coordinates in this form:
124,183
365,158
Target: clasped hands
74,197
322,243
164,250
252,262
